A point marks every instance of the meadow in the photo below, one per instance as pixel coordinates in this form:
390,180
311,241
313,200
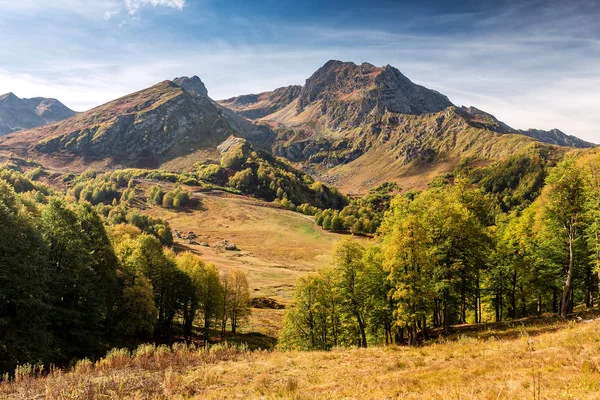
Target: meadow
538,358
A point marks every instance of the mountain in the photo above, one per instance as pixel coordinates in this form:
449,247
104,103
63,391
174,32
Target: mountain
260,105
165,122
553,136
557,137
17,114
357,126
354,126
341,95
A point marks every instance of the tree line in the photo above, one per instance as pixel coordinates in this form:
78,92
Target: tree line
72,286
451,255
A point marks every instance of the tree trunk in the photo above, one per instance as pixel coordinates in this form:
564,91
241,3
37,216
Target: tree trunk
463,302
363,334
446,317
564,306
513,297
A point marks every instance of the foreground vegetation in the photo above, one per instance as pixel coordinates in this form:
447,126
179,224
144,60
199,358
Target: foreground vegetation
75,282
531,359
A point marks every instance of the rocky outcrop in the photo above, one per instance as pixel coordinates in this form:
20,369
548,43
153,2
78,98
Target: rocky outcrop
193,85
350,95
555,136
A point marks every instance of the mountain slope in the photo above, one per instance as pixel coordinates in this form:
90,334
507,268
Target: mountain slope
555,136
17,114
260,105
142,129
356,126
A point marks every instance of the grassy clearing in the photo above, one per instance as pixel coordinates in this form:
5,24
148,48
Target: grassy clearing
276,246
498,362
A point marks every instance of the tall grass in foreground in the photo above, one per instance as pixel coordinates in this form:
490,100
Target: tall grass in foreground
548,359
85,380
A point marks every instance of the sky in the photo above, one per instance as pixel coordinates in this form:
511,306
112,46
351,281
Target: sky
533,64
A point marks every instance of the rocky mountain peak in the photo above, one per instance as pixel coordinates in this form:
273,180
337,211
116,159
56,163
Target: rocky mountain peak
193,85
348,93
9,98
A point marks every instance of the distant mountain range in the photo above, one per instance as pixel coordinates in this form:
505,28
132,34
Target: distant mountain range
18,114
351,125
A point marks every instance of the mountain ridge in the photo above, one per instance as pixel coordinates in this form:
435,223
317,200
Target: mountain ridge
18,114
354,126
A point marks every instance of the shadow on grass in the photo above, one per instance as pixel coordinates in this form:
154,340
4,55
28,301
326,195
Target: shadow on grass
254,340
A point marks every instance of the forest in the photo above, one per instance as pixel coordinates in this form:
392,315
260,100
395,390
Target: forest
78,280
451,255
83,272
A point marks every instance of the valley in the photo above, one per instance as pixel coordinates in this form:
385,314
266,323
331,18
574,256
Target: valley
358,228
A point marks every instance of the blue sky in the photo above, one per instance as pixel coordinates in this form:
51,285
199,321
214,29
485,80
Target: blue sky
530,63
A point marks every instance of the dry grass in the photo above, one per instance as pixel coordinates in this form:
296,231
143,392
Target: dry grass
277,246
563,357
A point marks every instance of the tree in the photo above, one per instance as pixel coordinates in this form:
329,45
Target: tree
137,312
75,313
196,271
24,276
409,265
348,259
565,205
238,297
210,298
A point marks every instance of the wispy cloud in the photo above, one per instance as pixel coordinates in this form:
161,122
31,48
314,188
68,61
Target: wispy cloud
108,14
133,6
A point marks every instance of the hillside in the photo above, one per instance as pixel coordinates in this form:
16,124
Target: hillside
260,105
167,122
540,359
356,126
556,136
18,114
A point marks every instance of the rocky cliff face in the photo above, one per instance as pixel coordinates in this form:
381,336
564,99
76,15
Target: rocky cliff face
350,94
17,114
555,136
192,85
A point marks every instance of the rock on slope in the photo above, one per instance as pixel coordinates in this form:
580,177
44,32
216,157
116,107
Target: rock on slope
17,114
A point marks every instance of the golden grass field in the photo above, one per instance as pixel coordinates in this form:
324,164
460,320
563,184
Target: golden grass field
505,361
276,246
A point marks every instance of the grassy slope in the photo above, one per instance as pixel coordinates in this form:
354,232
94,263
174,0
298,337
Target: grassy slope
277,246
499,362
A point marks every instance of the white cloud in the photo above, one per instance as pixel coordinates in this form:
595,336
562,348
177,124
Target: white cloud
108,14
133,6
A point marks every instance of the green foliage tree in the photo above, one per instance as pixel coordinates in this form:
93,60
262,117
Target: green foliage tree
565,207
24,276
